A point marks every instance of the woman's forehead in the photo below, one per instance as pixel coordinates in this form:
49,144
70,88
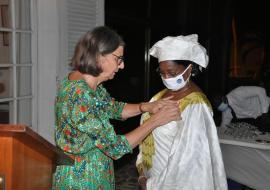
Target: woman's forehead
119,50
170,65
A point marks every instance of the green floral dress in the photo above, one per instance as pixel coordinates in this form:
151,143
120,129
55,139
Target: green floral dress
84,132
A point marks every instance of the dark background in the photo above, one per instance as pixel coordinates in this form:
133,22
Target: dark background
141,23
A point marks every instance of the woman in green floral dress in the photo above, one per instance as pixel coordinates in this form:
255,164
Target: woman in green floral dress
83,108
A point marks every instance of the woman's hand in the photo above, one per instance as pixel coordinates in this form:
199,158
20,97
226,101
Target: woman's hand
142,182
166,114
153,107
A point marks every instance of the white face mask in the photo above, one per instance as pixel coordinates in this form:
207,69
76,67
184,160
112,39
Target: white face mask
176,83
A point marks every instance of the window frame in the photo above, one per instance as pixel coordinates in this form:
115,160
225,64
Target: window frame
14,97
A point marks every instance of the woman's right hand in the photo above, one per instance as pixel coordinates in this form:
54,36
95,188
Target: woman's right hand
164,115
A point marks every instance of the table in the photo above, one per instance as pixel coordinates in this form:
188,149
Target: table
246,160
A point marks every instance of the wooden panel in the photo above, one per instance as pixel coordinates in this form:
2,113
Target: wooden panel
30,138
27,159
30,162
6,160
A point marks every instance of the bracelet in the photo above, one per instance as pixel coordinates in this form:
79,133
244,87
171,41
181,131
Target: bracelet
141,177
140,108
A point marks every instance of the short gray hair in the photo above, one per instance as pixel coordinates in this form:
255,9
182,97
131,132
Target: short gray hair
100,41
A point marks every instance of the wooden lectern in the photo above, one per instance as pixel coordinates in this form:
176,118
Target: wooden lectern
27,160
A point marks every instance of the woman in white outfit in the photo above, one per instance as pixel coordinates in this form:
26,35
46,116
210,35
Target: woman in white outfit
184,154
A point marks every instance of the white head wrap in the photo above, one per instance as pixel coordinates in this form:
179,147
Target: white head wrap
180,48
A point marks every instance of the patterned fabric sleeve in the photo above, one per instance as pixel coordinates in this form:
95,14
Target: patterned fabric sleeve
115,108
89,116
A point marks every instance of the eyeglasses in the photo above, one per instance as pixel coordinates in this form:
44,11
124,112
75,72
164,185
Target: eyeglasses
167,75
120,59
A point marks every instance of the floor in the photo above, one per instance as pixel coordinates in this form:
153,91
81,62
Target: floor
126,176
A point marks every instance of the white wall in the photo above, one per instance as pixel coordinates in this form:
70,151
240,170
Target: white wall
53,29
48,60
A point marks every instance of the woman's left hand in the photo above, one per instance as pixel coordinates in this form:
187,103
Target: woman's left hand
153,107
142,182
